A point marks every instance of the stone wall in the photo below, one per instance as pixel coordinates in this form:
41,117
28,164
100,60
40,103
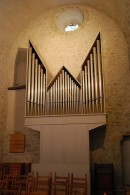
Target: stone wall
32,148
4,80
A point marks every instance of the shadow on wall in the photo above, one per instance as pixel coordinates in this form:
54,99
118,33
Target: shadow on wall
20,67
96,137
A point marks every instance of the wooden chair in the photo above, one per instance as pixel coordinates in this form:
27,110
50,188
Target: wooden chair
78,185
4,185
127,190
15,169
30,183
37,193
23,179
42,184
9,185
61,184
15,188
11,179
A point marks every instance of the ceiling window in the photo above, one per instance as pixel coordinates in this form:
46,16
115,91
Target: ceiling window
71,27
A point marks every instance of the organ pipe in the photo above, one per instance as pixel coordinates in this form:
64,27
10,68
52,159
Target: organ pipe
44,92
58,94
86,88
89,86
39,70
56,99
41,87
35,83
83,98
100,75
64,95
92,81
95,78
63,91
32,78
29,67
36,80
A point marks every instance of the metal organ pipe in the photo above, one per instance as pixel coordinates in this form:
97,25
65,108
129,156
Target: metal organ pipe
38,100
56,99
71,81
100,75
86,88
53,98
36,80
63,91
28,80
83,98
47,102
41,90
89,86
35,87
32,78
32,83
44,92
60,89
92,81
58,95
95,78
68,94
64,95
77,99
55,102
72,98
29,68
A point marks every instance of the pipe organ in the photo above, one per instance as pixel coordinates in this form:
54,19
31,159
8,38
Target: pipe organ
35,83
92,87
65,94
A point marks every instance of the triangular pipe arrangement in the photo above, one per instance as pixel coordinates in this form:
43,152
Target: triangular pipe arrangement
65,94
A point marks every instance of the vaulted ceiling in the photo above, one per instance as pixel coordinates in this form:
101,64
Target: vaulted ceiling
15,15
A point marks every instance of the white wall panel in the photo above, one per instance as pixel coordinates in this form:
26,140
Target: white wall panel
64,143
57,144
46,144
69,143
82,143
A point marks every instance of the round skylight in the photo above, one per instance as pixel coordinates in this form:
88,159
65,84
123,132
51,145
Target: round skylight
71,27
69,19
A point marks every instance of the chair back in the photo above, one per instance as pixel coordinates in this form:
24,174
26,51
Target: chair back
78,185
61,183
43,184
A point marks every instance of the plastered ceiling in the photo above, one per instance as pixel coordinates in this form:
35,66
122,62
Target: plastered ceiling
15,15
